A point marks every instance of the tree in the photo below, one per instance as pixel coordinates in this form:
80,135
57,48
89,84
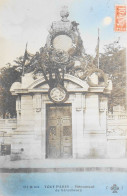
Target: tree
113,62
8,75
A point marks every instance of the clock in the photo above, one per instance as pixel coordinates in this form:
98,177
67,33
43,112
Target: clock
58,94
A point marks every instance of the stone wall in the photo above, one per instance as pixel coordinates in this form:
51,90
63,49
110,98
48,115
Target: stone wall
7,128
116,133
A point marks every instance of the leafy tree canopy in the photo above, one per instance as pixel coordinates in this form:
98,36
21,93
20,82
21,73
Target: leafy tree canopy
8,75
113,62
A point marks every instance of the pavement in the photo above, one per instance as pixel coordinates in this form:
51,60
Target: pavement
63,164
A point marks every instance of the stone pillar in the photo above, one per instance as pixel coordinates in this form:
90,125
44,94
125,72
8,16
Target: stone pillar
37,104
43,131
23,139
92,122
79,124
74,130
103,106
18,107
94,134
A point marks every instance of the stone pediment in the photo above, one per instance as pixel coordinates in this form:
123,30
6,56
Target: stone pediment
71,83
28,84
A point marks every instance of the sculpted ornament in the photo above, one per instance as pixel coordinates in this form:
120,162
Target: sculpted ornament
63,53
64,14
96,78
59,57
58,94
65,40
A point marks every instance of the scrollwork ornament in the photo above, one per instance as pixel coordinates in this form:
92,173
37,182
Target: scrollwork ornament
70,34
59,57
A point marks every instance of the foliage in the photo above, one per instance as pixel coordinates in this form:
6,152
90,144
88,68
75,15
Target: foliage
113,62
8,75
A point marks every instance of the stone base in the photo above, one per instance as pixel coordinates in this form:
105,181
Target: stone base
92,146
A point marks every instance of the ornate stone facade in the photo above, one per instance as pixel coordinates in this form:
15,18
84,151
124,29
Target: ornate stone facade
67,89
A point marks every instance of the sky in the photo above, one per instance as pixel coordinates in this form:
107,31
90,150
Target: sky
28,21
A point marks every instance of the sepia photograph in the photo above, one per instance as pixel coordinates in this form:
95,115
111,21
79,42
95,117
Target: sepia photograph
63,97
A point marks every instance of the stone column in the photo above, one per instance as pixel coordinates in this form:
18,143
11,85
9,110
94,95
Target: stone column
92,112
74,130
79,124
18,107
94,136
43,131
37,104
103,112
23,137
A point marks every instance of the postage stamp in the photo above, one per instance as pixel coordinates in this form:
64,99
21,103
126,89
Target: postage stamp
120,18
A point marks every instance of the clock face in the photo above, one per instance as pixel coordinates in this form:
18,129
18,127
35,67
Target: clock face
58,94
62,42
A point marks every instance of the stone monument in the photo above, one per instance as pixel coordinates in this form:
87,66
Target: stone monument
61,100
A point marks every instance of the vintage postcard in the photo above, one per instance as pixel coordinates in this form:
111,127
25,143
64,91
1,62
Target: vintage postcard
63,97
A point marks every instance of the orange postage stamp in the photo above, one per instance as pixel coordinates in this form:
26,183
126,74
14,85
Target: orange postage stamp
120,18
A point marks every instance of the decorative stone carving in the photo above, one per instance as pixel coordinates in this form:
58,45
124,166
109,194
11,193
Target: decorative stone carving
63,49
58,94
59,57
64,14
57,38
64,35
97,77
64,53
